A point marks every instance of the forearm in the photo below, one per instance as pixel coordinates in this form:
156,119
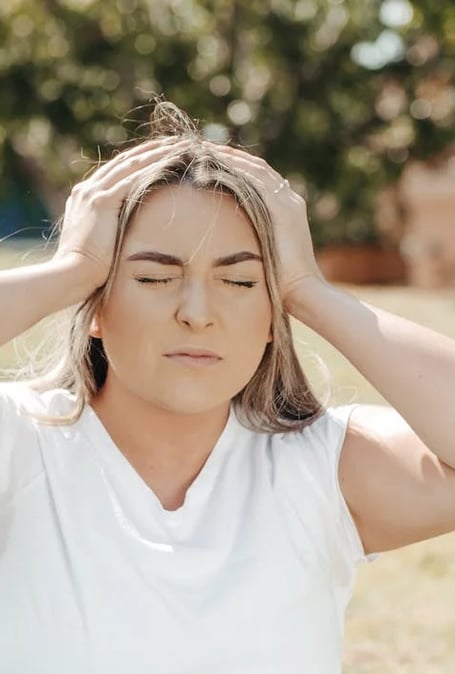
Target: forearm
28,294
411,366
87,242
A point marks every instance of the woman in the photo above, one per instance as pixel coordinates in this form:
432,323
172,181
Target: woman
174,497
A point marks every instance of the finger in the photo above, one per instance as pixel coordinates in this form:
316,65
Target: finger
264,177
131,153
237,152
257,164
122,186
133,163
266,181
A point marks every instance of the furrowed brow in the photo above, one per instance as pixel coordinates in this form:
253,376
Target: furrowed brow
155,256
172,260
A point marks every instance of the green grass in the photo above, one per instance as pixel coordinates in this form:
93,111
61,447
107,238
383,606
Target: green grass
402,617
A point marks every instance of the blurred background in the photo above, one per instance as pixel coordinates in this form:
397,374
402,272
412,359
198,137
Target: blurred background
352,100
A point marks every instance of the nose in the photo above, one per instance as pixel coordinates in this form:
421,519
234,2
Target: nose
194,306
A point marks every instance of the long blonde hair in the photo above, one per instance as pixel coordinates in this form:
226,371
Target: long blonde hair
278,397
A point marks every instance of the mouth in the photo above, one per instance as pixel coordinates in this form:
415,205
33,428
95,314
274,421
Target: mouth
194,357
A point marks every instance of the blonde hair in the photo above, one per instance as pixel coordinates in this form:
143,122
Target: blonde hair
278,397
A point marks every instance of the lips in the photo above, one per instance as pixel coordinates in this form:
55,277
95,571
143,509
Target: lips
192,357
193,353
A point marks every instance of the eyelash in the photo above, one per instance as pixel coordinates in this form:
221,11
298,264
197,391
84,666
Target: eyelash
164,281
240,284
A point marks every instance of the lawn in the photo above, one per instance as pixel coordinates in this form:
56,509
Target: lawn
402,617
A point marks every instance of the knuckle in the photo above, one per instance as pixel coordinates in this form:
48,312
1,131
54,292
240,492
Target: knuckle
77,189
95,199
134,162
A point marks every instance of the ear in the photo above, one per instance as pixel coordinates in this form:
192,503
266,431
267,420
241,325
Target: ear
95,327
270,337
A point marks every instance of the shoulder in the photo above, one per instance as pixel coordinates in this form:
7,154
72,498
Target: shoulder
377,439
306,467
309,460
19,399
316,449
23,438
372,429
325,435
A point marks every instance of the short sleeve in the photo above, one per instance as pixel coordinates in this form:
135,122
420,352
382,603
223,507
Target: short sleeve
321,444
339,417
330,430
20,457
5,402
306,478
10,396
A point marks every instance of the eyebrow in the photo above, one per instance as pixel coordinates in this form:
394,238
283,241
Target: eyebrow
172,260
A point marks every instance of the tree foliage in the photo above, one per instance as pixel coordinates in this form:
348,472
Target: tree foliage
337,95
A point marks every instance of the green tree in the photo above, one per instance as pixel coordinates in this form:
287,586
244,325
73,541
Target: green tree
335,94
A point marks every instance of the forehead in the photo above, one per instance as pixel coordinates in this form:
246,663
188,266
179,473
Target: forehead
182,220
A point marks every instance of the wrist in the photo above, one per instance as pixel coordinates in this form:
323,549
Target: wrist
306,298
73,278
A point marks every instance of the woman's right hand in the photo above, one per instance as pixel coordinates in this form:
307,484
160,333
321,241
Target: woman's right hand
90,222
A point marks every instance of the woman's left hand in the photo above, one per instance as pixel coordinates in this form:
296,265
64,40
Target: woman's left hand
289,215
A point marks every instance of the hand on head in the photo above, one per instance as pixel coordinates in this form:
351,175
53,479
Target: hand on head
289,218
90,221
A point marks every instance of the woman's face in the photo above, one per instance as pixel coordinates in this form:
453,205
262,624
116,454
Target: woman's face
189,316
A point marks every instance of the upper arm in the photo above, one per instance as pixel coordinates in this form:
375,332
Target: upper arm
397,490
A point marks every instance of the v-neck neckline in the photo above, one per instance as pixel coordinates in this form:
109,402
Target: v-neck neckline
121,468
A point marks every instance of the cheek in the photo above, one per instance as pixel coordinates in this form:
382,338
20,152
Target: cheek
257,319
130,311
126,328
254,331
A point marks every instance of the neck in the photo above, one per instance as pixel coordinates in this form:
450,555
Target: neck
167,440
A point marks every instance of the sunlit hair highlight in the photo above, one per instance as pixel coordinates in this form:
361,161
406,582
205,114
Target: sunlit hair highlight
278,397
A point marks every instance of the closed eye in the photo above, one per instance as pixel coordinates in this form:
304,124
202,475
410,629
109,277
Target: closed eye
240,284
164,281
154,281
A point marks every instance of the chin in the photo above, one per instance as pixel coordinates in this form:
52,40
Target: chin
183,405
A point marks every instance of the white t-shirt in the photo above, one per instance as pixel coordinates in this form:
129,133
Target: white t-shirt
250,576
